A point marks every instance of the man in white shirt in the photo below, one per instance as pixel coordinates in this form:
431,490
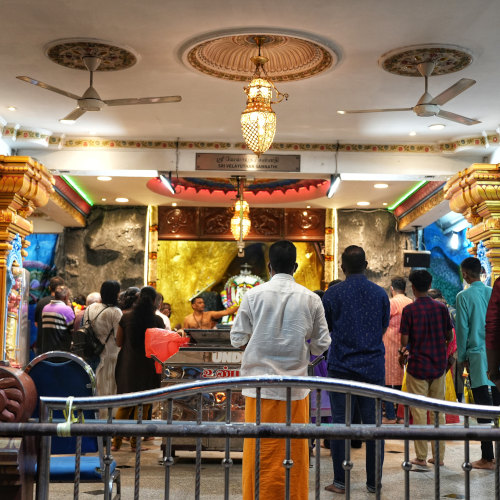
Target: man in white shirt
275,322
158,305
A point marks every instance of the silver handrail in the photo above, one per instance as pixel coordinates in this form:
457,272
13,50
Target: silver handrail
229,429
326,384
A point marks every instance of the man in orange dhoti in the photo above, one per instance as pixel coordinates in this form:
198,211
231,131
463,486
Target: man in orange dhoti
274,322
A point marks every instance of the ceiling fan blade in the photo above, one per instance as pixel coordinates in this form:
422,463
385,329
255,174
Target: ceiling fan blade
447,115
453,91
75,114
143,100
382,110
46,86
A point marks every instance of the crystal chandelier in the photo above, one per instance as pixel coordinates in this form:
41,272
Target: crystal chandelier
258,121
240,221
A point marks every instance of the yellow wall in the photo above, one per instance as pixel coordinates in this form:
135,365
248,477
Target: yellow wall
186,267
310,270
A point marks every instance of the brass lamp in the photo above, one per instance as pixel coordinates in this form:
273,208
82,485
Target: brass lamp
240,221
258,121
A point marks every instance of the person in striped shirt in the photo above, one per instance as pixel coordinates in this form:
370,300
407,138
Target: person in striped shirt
57,322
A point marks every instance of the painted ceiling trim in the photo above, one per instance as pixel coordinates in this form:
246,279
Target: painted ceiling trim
26,136
418,198
71,196
275,192
425,206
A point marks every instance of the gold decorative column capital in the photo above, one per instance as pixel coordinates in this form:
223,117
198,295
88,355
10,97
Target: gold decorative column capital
475,193
26,182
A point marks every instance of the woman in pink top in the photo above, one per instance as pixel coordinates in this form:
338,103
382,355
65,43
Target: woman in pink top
392,342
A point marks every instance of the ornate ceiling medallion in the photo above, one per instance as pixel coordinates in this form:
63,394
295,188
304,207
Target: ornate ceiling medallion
291,56
69,52
447,59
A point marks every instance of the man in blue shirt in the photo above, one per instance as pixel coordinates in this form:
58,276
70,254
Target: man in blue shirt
357,312
472,305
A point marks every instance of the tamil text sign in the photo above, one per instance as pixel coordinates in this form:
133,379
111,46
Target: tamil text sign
239,162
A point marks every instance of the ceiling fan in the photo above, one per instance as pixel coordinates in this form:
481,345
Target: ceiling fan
90,100
428,105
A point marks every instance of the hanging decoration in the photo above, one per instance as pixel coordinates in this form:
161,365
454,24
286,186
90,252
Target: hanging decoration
258,121
240,222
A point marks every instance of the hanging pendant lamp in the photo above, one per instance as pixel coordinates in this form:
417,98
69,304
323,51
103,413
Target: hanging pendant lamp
258,121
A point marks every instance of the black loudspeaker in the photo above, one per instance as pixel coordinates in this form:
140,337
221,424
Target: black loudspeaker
417,259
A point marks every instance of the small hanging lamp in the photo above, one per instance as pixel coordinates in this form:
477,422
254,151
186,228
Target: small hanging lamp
240,221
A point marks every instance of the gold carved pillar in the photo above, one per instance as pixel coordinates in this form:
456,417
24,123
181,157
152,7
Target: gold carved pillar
152,254
330,245
475,193
24,185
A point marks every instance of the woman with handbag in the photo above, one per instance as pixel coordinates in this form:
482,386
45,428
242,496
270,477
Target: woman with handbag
134,371
105,317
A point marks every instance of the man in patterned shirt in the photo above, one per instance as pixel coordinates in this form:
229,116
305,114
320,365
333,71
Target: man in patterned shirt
357,312
425,329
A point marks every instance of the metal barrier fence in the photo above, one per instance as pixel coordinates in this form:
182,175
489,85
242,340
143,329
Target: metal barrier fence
228,430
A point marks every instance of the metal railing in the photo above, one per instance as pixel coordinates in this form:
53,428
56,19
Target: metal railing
171,429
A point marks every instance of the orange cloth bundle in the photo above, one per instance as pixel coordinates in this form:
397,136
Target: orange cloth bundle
162,344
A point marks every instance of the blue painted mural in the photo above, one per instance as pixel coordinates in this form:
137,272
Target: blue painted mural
445,261
40,263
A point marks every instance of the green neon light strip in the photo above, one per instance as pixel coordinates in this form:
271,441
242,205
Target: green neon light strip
78,189
407,195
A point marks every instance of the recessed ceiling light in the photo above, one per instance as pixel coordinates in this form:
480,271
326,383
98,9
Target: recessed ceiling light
308,206
381,186
121,200
103,199
66,122
437,126
412,133
104,178
11,108
385,204
174,204
341,112
363,203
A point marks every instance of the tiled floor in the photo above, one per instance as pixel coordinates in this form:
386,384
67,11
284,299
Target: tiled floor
212,478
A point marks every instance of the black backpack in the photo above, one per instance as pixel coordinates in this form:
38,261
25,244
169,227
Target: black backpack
85,342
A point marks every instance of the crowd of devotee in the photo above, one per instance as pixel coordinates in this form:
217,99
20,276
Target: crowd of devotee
407,338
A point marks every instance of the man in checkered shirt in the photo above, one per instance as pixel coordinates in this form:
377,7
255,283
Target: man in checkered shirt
425,331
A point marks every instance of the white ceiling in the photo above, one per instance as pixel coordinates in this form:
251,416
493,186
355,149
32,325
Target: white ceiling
360,30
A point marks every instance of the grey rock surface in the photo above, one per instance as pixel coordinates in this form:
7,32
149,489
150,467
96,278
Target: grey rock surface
111,247
375,231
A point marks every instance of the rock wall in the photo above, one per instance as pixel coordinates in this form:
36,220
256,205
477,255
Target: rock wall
375,231
111,247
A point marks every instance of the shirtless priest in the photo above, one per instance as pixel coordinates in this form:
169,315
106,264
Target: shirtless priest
205,320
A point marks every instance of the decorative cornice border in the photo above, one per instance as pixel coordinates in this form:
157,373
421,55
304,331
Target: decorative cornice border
16,133
71,196
63,204
47,139
418,197
423,208
101,143
438,148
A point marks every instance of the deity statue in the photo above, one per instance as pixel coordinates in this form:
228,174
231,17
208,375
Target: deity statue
236,287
